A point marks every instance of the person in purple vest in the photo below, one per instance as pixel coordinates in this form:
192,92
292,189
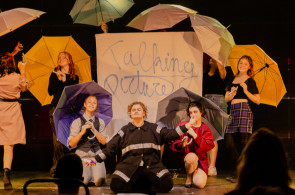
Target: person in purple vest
88,134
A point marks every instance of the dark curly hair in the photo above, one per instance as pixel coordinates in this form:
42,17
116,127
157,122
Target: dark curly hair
7,64
195,104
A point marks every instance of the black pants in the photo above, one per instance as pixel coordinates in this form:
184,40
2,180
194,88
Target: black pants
58,148
143,181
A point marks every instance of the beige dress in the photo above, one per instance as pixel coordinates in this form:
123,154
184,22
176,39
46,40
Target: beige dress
12,127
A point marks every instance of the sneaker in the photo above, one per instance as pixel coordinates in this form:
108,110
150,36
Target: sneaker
212,171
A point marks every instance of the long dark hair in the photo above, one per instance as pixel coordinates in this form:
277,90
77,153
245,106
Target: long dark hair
7,64
263,162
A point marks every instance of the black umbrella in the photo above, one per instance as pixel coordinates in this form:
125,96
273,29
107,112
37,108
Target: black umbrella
172,110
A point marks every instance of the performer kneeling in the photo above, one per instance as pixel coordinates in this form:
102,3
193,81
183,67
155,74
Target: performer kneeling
194,144
87,133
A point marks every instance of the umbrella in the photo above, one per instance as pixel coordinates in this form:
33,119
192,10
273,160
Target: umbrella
70,107
172,110
42,59
215,39
93,12
160,16
15,18
266,73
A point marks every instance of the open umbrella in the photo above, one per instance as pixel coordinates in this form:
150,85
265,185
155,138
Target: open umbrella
42,59
93,12
15,18
172,110
266,73
215,39
70,107
160,16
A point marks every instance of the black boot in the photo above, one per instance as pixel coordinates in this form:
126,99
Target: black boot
6,179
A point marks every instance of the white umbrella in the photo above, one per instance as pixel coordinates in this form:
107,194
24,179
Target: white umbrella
215,39
93,12
160,17
15,18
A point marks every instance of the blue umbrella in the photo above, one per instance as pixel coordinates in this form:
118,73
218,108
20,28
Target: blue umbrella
71,104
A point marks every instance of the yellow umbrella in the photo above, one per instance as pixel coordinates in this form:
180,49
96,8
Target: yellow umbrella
42,59
266,73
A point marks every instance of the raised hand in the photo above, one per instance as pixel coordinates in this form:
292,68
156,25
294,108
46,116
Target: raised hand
244,86
22,67
61,76
104,27
18,48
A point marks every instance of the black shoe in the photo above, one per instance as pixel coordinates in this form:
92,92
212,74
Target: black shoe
231,179
52,172
91,184
6,179
188,185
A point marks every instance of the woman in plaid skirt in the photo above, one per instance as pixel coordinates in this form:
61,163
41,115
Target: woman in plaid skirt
241,90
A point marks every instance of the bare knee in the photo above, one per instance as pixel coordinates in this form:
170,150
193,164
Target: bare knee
191,158
200,178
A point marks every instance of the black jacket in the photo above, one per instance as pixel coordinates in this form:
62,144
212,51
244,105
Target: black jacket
139,144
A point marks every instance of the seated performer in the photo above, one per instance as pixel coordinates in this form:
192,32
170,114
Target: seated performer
140,168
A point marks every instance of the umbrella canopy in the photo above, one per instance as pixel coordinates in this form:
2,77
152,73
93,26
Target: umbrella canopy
160,16
42,59
71,103
93,12
215,39
15,18
172,110
266,73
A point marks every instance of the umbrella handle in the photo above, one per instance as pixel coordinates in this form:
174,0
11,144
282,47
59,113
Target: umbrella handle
90,138
24,60
189,141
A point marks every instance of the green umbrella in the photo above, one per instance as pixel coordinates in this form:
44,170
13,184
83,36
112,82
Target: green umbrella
94,12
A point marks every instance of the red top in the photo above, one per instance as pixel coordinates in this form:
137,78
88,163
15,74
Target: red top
202,144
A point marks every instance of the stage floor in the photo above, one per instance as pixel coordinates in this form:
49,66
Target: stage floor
215,185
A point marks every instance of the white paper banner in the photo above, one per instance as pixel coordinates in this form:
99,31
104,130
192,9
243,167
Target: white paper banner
146,67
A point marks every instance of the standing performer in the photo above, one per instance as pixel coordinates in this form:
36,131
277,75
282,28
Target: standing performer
64,75
12,127
194,144
214,84
140,168
242,89
87,133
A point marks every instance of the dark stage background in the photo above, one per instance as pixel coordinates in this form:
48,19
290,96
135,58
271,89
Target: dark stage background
269,24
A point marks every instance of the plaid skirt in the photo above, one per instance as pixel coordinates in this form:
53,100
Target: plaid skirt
241,118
